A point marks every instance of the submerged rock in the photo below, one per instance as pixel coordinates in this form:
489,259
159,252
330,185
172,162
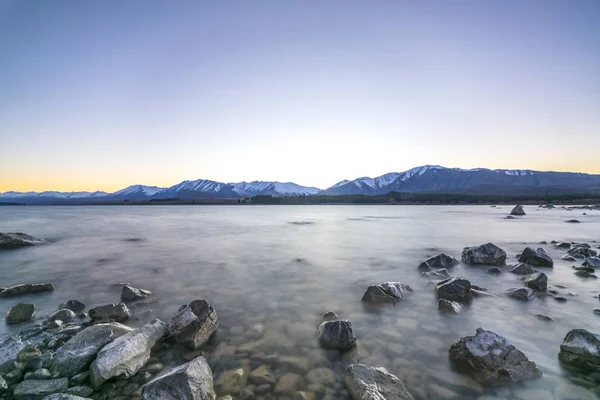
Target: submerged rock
369,383
491,360
494,271
585,274
581,250
440,261
537,258
15,240
522,269
27,288
74,305
127,354
537,282
64,315
130,293
336,335
518,210
581,349
194,324
37,389
454,289
386,293
486,254
191,381
519,293
449,306
592,262
20,313
574,221
77,353
437,273
115,312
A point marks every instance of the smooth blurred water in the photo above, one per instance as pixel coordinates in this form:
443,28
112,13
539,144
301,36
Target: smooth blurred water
284,266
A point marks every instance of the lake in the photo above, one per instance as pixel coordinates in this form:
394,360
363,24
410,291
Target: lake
283,266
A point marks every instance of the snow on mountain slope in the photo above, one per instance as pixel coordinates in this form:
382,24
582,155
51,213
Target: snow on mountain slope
272,188
138,190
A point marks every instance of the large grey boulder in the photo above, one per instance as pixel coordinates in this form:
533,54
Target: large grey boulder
336,335
537,282
9,349
517,210
20,313
64,315
522,269
193,325
191,381
581,349
491,359
127,354
115,312
369,383
486,254
537,258
14,240
38,389
522,293
386,293
77,353
454,289
130,293
440,261
27,288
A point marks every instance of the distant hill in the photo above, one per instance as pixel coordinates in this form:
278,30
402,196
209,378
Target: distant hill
424,179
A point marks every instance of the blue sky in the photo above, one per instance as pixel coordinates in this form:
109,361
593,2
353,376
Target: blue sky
101,95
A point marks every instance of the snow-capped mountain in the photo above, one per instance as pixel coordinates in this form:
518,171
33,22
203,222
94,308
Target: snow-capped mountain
434,178
249,189
136,192
428,178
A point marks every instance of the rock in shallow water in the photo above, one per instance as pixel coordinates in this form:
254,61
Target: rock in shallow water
592,262
77,353
336,335
440,261
330,316
115,312
537,258
369,383
28,288
127,354
486,254
519,293
194,324
537,282
517,210
494,271
386,293
20,313
449,306
581,349
454,289
15,240
38,389
491,360
130,293
64,396
522,269
191,381
74,305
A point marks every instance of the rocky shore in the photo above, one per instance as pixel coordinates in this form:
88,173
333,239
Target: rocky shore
79,353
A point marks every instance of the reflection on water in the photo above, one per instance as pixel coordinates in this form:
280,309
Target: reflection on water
283,267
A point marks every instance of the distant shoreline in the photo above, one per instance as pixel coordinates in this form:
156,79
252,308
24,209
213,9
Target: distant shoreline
388,199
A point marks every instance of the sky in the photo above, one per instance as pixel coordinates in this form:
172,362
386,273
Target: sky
102,95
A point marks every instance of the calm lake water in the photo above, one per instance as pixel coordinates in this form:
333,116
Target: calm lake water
284,266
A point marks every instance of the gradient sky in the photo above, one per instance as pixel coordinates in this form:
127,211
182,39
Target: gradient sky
104,94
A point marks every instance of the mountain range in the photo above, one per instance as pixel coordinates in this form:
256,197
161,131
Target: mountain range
424,179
